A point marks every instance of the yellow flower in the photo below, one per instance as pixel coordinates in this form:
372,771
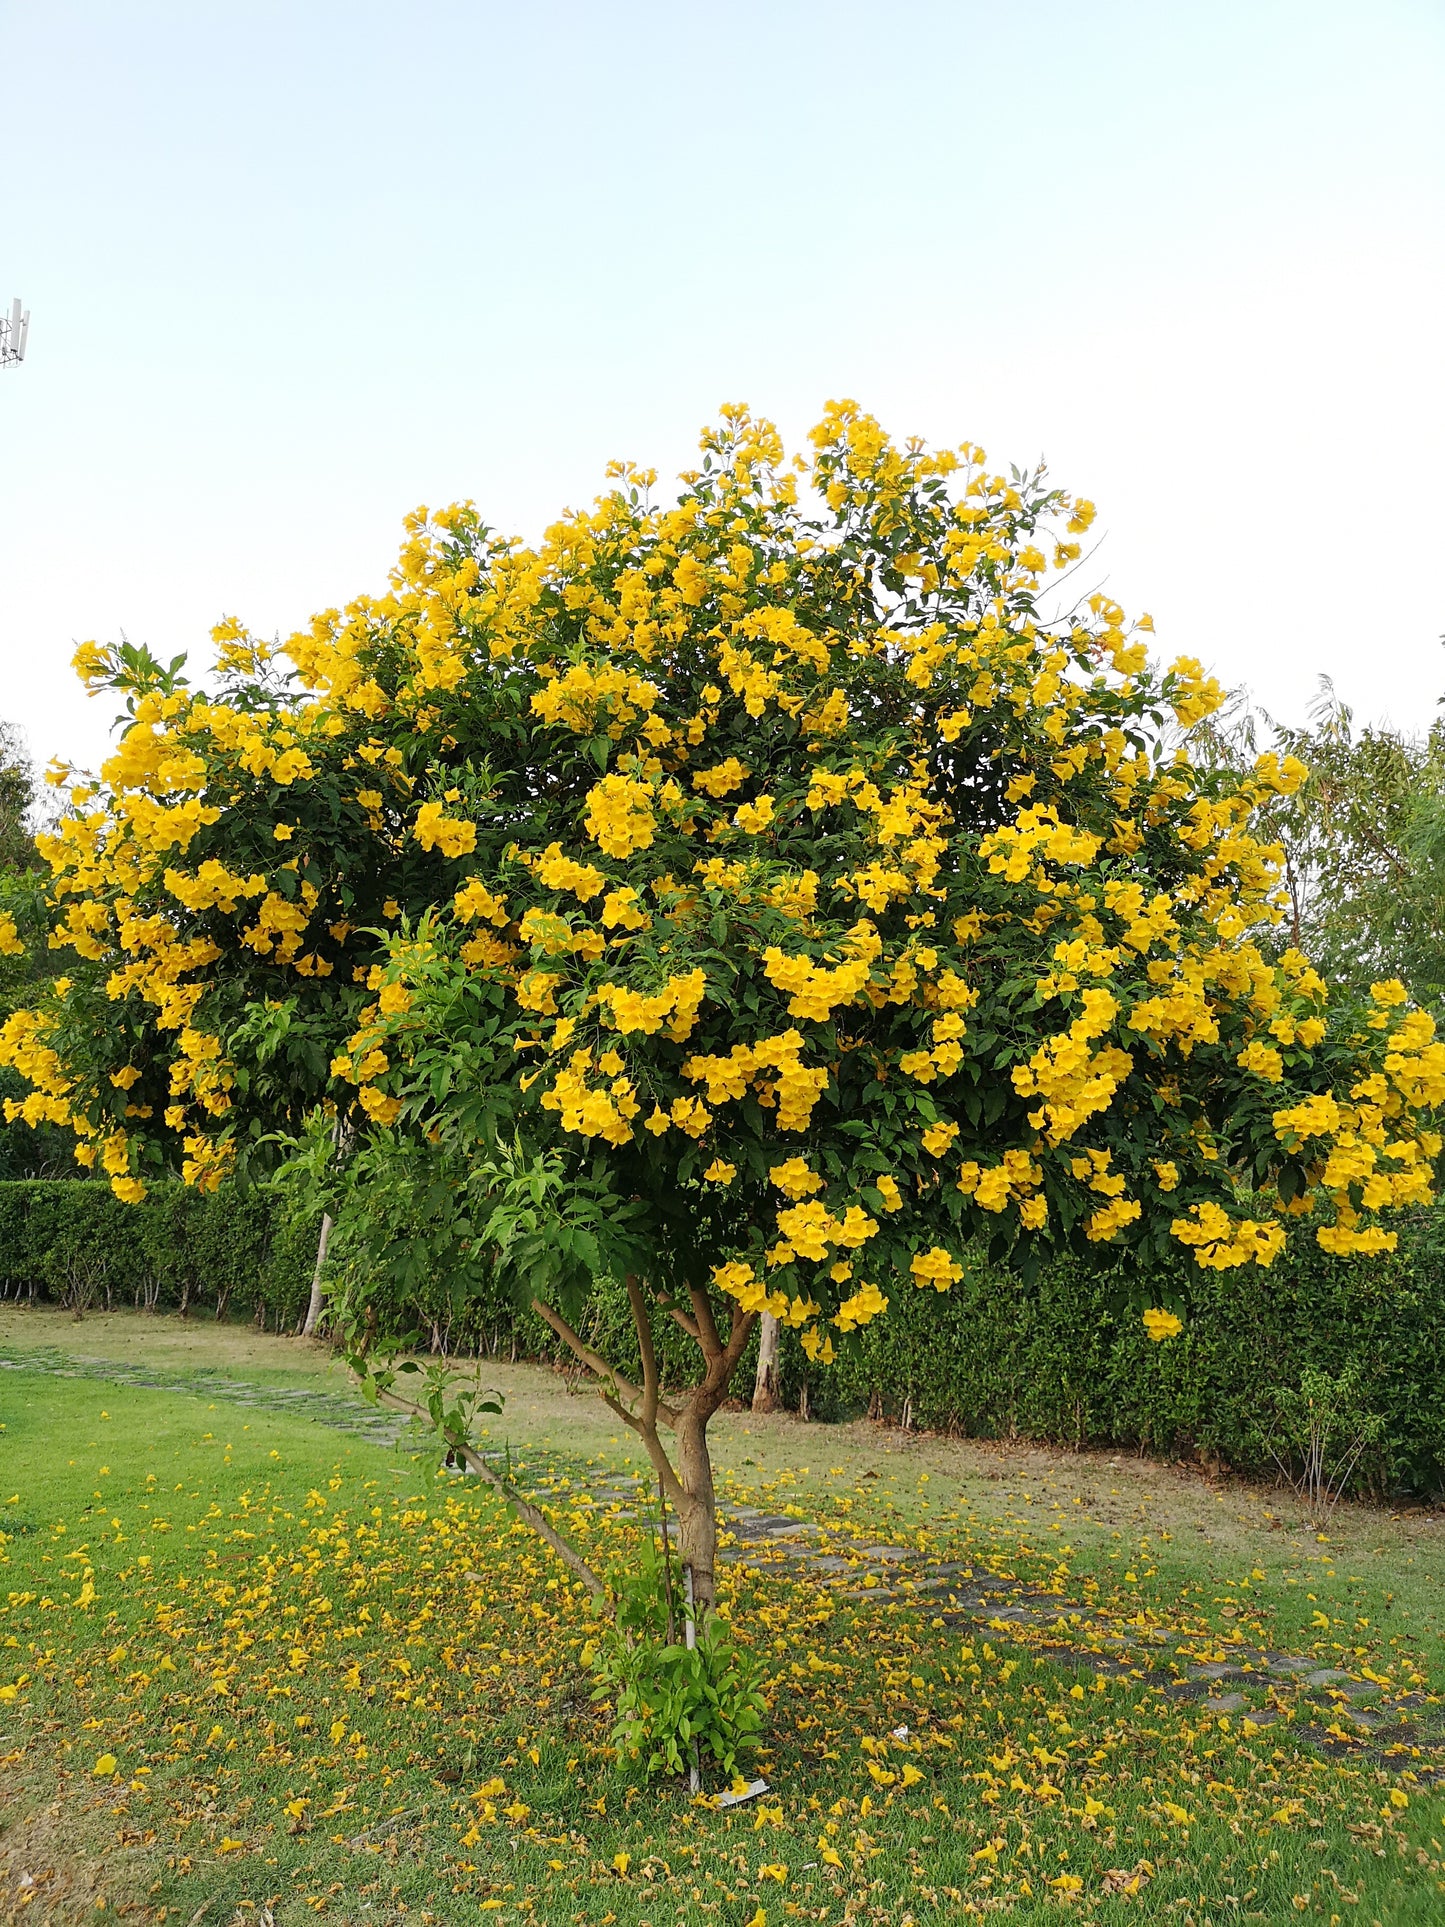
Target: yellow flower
719,1172
795,1179
935,1267
104,1766
1162,1324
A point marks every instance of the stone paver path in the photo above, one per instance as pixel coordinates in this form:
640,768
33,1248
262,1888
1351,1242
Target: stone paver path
1333,1712
340,1410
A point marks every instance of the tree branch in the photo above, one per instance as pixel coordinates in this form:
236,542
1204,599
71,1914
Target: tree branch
661,1464
643,1326
595,1362
742,1325
524,1509
688,1324
707,1334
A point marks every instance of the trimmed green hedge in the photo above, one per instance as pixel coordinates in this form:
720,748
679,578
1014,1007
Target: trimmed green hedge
73,1242
1057,1362
989,1358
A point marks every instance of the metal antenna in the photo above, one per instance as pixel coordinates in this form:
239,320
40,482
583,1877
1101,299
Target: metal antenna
14,333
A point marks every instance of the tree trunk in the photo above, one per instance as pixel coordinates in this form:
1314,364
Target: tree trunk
697,1509
765,1386
318,1298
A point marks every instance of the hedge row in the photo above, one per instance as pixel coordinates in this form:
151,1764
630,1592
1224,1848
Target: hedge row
989,1358
233,1252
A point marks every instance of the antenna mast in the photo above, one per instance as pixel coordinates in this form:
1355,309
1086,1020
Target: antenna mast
14,333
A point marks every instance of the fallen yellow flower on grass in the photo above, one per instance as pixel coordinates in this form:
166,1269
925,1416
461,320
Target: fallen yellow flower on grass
621,1862
1068,1884
1128,1880
776,1872
231,1846
104,1766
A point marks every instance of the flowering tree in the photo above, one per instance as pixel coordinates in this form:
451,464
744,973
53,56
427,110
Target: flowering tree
763,890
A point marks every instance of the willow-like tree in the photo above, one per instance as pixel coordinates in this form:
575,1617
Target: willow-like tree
791,899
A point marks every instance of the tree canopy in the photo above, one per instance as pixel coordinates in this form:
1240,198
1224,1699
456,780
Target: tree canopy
788,865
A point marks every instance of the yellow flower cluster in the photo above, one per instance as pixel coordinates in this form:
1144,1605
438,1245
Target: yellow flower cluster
866,1304
809,1230
585,694
1073,1079
452,835
558,872
672,1009
935,1267
741,1284
1220,1242
791,1090
619,815
592,1110
812,990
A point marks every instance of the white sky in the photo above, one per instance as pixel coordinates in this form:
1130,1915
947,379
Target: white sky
296,267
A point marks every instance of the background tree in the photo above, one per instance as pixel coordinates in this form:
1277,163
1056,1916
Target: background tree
1363,840
776,900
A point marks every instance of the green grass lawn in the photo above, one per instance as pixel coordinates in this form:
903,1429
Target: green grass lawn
247,1661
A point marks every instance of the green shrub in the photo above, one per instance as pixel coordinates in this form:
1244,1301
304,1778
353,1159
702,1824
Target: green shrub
1059,1362
73,1242
675,1705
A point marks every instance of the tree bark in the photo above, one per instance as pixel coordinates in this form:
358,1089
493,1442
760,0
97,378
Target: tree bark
697,1514
765,1386
318,1297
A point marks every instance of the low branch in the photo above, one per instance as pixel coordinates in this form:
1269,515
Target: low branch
523,1508
596,1363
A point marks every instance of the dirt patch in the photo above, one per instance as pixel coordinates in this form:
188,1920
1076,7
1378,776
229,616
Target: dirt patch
70,1849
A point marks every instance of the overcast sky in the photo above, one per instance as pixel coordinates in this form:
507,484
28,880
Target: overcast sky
295,268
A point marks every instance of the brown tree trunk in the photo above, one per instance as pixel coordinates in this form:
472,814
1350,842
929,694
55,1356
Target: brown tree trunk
697,1513
765,1386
